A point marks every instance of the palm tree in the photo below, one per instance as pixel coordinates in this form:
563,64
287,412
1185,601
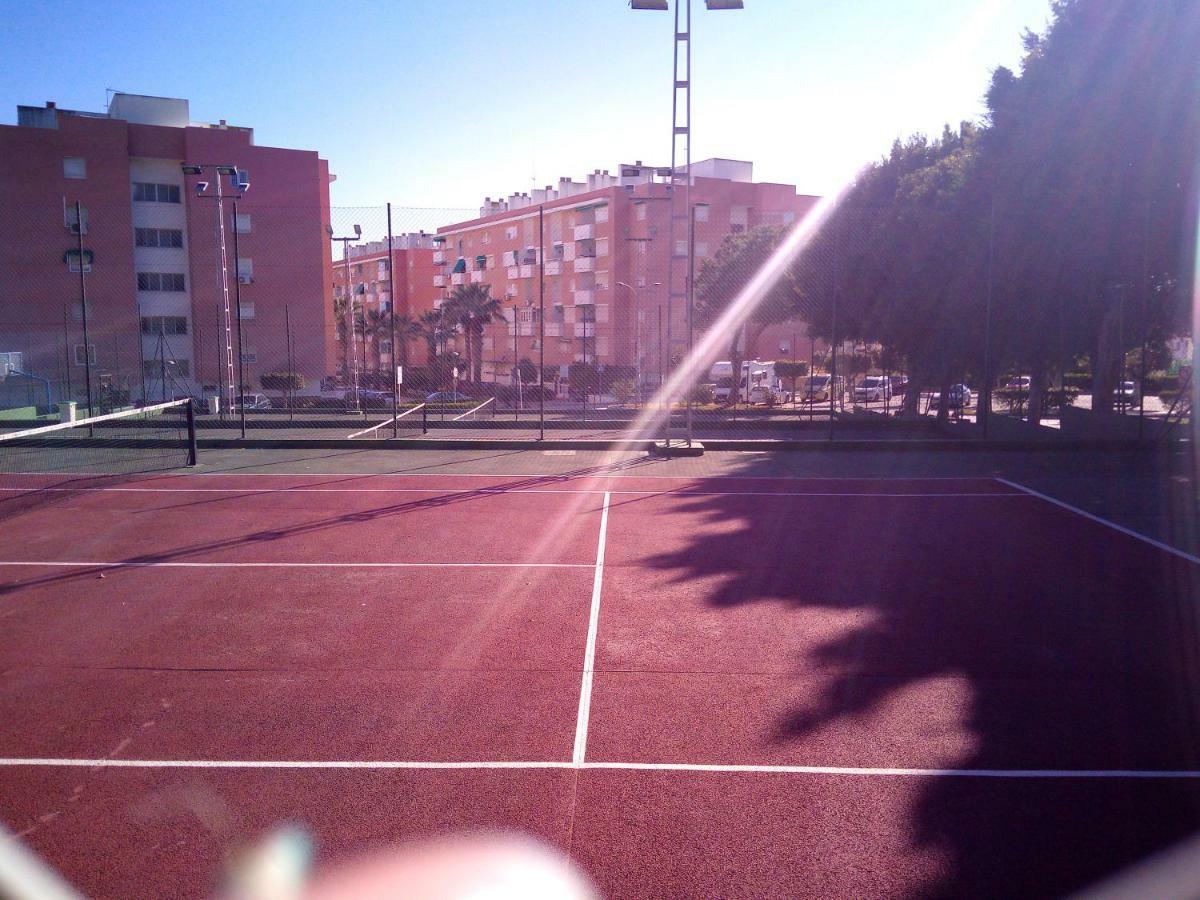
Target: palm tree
378,327
343,333
432,327
472,306
407,329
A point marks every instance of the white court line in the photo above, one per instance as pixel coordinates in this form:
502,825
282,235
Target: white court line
734,769
78,564
1175,551
395,418
589,653
562,475
672,492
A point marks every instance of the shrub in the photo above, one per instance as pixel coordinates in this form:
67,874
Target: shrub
282,381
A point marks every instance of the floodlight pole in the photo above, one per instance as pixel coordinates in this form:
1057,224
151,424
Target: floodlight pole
392,327
681,213
353,336
87,347
227,311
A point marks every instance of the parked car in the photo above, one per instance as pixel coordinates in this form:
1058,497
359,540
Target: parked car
872,387
1017,383
769,394
1126,393
899,385
252,401
960,396
817,389
370,397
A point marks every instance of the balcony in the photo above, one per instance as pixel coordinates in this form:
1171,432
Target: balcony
585,232
585,329
458,278
439,280
585,264
477,276
527,271
554,267
554,329
439,257
513,273
585,297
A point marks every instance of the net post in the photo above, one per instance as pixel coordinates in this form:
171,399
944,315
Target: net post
191,431
424,419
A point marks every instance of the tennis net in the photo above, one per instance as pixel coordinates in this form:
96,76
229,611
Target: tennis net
152,438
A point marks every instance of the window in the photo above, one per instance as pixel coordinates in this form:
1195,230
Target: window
146,192
385,347
247,309
510,233
249,355
602,247
79,361
385,306
701,248
602,214
381,270
74,167
160,281
242,224
72,257
158,237
701,212
681,247
640,211
164,325
71,218
175,368
736,228
245,270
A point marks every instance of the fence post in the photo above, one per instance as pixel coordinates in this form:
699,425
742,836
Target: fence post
191,431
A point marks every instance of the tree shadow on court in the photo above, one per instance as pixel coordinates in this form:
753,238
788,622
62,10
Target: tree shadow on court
963,633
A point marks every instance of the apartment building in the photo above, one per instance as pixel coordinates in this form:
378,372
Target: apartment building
367,271
606,256
155,283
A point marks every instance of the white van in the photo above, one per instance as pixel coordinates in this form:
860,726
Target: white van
758,384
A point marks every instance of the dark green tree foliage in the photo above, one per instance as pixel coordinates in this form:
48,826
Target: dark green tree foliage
723,277
1072,201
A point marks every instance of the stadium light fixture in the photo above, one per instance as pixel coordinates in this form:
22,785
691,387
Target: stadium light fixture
724,4
660,5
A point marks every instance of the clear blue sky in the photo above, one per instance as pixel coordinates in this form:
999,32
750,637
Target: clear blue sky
439,102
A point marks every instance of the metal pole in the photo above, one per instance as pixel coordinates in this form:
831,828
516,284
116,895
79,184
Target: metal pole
660,353
237,293
228,361
353,342
87,347
515,373
984,408
162,361
1145,324
392,325
541,323
191,431
291,360
67,355
691,270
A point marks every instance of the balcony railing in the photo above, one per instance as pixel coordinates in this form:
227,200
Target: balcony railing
458,278
585,297
439,256
477,276
526,271
554,329
585,329
585,264
439,280
514,272
585,232
553,267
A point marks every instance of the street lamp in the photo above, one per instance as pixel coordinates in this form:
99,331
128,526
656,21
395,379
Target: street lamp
681,227
202,192
637,334
353,339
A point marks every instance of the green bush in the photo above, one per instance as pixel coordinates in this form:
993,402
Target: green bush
701,393
624,391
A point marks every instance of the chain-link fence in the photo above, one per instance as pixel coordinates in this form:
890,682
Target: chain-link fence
551,322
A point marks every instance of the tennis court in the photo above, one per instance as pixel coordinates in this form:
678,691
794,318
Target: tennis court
693,685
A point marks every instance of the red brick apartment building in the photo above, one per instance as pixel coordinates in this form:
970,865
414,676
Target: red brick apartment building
606,257
412,259
155,300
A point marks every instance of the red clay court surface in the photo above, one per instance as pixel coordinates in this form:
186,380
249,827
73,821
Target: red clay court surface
695,687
